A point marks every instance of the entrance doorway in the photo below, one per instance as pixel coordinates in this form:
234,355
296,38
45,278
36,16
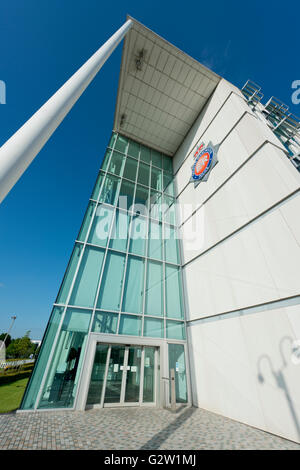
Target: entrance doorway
123,375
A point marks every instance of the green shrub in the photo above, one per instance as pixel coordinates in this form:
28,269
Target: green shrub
11,376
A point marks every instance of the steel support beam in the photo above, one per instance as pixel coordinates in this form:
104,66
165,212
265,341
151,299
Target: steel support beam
20,150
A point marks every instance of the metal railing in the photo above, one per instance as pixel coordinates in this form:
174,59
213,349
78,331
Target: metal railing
13,364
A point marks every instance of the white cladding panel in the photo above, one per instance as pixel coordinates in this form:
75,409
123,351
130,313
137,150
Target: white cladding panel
219,128
242,368
223,91
258,185
258,264
246,252
240,144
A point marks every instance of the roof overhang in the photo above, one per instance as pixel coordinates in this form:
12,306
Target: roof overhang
161,90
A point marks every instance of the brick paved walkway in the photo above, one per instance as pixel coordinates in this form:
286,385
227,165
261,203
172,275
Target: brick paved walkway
132,428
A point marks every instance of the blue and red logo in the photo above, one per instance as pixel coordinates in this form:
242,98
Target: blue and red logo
205,159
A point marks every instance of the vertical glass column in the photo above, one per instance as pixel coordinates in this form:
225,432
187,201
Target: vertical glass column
149,375
133,376
97,377
177,362
115,375
35,381
62,377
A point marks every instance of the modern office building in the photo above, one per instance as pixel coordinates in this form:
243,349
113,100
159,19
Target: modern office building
188,257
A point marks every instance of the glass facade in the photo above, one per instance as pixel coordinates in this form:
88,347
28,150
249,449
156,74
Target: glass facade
177,362
124,274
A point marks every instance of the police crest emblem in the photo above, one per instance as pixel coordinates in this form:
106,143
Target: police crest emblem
205,158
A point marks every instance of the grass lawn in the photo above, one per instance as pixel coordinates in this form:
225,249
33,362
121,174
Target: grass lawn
11,395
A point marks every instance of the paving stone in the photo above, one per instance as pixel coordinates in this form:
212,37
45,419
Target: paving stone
132,428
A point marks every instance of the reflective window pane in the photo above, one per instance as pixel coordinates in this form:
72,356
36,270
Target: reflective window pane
167,179
167,163
156,158
105,322
155,240
126,195
174,307
154,289
121,144
167,200
77,319
145,154
111,285
134,285
112,140
134,149
171,244
133,376
114,375
97,187
69,275
130,325
130,169
101,225
62,379
109,193
106,160
86,221
149,375
138,235
143,174
141,200
170,189
33,388
116,164
175,330
84,290
119,234
97,376
167,205
177,362
155,205
170,215
153,327
156,179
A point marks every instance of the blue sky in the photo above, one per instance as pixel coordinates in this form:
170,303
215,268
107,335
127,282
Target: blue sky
42,43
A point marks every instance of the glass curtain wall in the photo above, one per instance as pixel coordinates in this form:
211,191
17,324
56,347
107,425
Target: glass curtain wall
124,273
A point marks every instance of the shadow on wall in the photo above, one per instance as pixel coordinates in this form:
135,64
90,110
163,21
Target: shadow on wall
279,378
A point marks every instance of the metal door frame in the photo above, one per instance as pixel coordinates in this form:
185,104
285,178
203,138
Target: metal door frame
122,401
125,341
162,366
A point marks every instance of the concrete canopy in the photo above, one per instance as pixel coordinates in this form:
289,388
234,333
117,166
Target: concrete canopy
161,90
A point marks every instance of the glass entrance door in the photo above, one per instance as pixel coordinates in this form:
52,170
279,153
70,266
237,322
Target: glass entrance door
115,374
133,375
123,376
